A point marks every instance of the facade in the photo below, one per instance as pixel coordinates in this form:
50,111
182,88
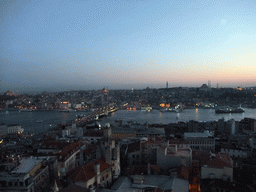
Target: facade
77,106
16,182
52,147
202,141
90,176
121,133
233,152
65,105
3,129
93,136
219,168
14,129
248,124
134,153
111,152
149,183
68,158
31,175
230,128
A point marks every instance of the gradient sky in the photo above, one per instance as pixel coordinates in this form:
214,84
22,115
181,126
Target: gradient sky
82,44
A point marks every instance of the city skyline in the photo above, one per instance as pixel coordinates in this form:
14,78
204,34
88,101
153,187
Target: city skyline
72,45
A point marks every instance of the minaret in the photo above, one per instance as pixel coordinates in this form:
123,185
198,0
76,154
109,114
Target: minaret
209,84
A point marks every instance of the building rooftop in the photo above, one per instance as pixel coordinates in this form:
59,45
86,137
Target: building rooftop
27,165
202,156
94,133
204,134
54,145
221,160
132,147
87,172
122,183
69,150
142,169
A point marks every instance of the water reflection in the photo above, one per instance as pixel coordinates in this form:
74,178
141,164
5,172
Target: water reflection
155,116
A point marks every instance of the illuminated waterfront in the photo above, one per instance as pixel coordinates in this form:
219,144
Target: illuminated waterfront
41,121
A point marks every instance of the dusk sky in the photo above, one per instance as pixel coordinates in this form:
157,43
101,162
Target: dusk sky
123,44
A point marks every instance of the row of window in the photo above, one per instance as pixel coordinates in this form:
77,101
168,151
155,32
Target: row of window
203,147
202,142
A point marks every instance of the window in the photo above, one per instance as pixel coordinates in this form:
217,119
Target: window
21,184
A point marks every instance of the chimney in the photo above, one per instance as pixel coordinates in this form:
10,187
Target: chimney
148,168
97,168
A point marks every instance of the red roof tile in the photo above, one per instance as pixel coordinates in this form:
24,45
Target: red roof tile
68,150
221,160
54,144
86,172
218,163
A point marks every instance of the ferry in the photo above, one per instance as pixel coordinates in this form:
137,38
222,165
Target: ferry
174,110
67,110
230,110
25,110
146,108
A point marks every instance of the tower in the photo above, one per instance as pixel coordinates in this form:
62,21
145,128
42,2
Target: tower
104,97
209,84
167,84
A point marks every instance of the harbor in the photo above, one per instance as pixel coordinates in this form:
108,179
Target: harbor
34,122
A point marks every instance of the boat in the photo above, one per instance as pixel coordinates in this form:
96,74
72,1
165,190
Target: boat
39,121
146,108
25,110
173,110
67,110
230,110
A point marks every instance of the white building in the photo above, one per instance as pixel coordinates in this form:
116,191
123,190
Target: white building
172,156
30,176
203,141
